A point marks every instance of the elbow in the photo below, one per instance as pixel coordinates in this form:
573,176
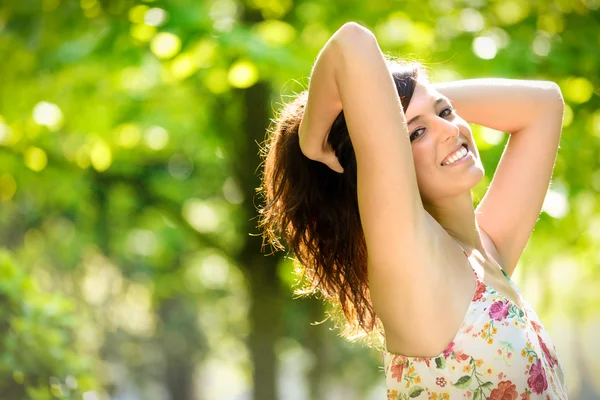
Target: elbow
353,34
554,96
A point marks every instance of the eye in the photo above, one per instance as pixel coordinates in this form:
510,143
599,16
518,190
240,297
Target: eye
446,112
415,131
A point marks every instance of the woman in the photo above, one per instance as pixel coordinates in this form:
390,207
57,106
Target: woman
376,160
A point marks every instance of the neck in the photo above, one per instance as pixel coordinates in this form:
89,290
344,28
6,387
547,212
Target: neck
457,216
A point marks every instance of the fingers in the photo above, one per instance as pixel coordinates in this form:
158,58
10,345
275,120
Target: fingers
333,163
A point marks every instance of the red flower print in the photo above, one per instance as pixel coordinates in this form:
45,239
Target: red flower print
505,391
537,378
448,350
460,356
480,291
526,395
397,368
536,327
440,381
499,310
546,352
425,360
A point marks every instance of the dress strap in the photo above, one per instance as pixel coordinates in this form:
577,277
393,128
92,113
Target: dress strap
470,264
462,249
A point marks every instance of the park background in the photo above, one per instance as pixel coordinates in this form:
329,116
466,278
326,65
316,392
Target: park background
131,265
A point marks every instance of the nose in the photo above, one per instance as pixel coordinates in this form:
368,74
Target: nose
448,130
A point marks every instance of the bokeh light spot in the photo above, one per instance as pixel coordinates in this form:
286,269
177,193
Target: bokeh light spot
594,123
5,132
550,23
142,32
137,13
471,20
276,33
232,191
216,81
555,204
577,89
8,187
224,14
567,115
183,66
128,135
484,47
203,217
155,17
204,52
510,12
165,45
541,44
243,74
492,136
156,137
48,114
100,156
35,158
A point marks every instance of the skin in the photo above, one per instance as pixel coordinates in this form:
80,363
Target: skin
445,190
423,209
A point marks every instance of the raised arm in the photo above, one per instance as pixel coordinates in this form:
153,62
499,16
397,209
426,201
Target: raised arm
507,105
395,223
531,111
323,105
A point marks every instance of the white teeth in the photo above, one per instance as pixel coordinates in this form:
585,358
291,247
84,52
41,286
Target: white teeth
460,153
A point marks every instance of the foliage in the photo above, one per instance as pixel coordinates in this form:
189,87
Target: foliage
39,359
125,192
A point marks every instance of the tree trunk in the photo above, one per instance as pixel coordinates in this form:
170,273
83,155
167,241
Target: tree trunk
180,344
260,270
265,326
316,342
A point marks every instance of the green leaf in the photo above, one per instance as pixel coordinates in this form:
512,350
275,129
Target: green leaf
440,362
477,395
487,385
415,391
463,382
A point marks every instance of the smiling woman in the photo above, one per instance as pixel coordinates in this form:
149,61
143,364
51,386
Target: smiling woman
368,177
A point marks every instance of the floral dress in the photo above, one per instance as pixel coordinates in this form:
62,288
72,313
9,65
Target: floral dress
500,352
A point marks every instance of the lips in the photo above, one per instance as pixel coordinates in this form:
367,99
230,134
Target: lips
454,151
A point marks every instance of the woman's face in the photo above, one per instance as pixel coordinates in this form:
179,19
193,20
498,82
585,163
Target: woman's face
436,131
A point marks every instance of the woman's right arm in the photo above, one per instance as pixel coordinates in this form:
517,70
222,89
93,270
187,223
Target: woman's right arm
397,228
323,106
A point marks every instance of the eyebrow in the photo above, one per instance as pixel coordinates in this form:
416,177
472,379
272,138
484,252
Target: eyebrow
438,101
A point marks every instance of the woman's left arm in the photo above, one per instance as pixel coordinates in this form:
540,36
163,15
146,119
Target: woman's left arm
507,105
531,112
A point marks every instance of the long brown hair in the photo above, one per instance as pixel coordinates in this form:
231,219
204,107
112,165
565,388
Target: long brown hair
315,210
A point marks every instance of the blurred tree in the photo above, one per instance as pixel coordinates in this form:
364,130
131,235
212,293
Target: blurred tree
38,359
128,140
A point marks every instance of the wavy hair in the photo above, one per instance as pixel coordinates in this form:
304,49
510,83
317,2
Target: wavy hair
315,210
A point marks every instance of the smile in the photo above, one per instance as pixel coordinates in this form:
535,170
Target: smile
459,156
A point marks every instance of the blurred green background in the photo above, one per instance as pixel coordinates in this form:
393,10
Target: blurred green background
131,264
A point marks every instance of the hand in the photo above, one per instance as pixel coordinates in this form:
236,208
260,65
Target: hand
329,158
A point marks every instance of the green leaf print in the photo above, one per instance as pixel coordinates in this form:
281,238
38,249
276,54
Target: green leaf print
440,362
477,395
415,391
463,382
514,310
487,384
